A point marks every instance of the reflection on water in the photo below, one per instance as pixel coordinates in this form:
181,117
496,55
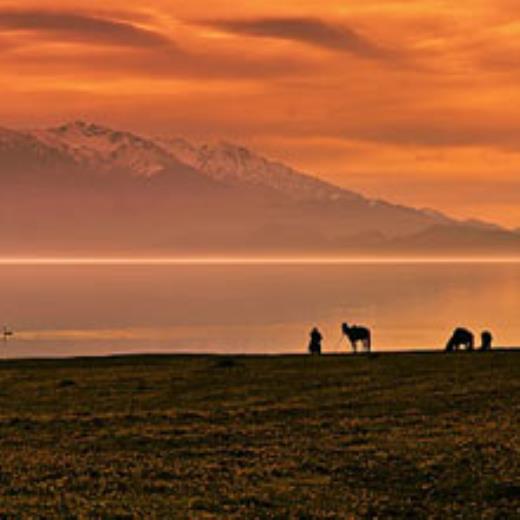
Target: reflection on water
88,310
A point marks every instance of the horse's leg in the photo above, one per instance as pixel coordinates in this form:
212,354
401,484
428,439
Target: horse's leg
354,346
369,343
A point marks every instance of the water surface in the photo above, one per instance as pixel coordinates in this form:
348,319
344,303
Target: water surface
70,310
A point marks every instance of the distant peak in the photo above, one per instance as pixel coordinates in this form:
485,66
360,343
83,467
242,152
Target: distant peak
83,127
84,131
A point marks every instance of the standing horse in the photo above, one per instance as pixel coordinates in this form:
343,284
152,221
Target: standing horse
357,334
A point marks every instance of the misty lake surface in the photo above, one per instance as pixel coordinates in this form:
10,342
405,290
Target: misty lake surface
77,310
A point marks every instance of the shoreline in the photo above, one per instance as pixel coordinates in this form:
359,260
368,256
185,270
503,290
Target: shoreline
252,356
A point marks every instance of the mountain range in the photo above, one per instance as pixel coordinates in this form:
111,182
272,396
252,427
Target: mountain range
82,188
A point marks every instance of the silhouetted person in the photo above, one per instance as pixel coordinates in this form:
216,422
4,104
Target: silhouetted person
460,338
357,334
486,340
315,343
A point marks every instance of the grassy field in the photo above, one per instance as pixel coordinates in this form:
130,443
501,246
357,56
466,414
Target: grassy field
392,435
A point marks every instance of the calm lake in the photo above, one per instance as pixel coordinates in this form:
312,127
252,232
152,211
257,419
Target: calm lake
58,310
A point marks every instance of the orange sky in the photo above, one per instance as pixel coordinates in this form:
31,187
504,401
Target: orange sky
416,101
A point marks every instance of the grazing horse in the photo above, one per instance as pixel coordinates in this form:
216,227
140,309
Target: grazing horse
460,338
355,334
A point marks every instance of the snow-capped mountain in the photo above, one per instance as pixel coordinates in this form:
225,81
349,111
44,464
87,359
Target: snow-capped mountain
85,186
92,145
104,150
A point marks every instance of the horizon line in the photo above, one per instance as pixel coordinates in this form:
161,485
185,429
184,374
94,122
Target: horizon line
245,260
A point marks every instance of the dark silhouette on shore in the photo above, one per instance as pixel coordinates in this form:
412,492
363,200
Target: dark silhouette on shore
7,333
460,338
357,334
486,339
315,342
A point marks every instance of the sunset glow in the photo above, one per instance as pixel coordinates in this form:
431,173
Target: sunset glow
259,258
415,102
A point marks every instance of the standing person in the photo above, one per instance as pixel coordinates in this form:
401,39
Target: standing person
315,342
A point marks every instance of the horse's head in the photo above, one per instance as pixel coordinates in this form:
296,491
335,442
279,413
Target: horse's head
344,327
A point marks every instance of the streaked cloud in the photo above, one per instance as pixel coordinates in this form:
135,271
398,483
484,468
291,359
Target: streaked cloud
81,27
312,31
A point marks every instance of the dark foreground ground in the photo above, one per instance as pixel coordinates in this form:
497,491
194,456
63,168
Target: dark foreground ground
395,435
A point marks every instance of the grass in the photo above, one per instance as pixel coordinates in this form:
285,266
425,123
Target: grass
387,436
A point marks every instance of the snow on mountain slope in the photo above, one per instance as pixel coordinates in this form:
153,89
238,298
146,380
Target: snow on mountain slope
232,164
106,149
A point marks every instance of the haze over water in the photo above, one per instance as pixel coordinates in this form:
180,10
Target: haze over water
76,310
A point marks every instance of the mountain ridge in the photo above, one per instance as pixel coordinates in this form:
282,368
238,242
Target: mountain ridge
223,161
89,184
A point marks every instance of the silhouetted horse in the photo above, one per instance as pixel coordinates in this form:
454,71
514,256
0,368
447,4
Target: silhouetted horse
315,342
460,338
486,340
357,334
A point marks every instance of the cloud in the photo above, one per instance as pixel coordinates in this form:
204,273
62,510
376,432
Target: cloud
423,131
139,52
311,31
81,27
